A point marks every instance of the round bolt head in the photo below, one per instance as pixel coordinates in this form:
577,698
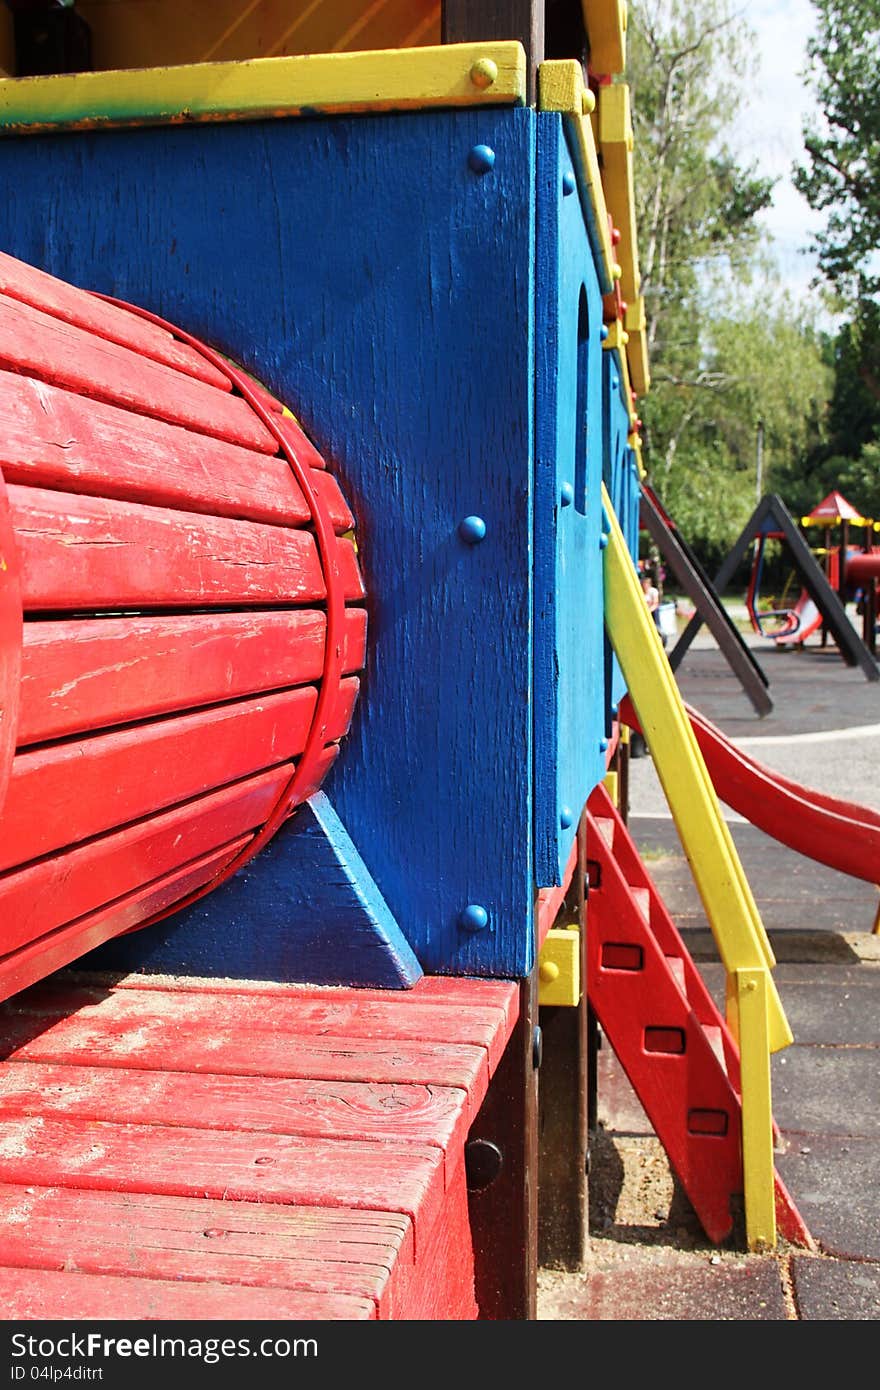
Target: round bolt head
603,541
548,971
616,271
473,918
566,495
566,817
481,159
588,102
603,745
472,529
569,183
603,332
483,1161
484,72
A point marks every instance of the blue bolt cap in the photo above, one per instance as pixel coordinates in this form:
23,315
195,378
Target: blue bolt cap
569,183
603,332
566,494
615,382
472,529
481,159
603,745
615,711
603,541
566,817
473,917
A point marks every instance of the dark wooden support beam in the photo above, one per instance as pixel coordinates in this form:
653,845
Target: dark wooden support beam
563,1105
502,1166
469,21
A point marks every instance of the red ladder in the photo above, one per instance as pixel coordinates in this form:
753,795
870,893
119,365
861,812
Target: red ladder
672,1042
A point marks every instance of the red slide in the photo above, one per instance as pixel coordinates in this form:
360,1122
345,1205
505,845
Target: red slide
838,833
805,618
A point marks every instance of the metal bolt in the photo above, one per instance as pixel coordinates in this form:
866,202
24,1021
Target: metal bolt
603,745
472,529
483,1161
473,918
566,817
603,332
603,541
588,102
537,1048
484,72
569,183
549,971
566,494
481,159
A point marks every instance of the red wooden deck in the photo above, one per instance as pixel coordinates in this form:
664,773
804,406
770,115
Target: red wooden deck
214,1149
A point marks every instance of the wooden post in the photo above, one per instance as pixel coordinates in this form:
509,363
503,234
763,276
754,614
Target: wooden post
502,1164
468,21
563,1107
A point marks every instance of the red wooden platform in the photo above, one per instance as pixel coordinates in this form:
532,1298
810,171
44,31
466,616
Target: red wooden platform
203,1149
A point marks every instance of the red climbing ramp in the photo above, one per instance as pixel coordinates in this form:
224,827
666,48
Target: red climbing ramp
662,1023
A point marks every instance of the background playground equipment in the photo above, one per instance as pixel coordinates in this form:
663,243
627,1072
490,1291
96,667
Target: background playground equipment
854,571
427,251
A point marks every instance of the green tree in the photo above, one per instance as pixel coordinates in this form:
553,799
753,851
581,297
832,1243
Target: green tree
841,175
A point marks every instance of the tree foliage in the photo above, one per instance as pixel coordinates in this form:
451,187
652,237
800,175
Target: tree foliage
841,175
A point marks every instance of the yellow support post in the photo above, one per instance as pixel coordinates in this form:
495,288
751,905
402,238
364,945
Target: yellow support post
559,970
561,87
739,933
759,1176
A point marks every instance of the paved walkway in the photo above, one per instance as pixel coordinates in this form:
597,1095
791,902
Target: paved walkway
648,1259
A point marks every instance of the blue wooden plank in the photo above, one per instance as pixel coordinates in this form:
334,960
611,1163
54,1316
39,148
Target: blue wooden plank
569,674
383,288
304,909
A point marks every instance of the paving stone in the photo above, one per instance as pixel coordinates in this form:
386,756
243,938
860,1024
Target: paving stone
831,1290
617,1103
827,1090
835,1182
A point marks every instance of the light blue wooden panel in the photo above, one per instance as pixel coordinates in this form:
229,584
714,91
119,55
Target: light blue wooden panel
569,675
382,285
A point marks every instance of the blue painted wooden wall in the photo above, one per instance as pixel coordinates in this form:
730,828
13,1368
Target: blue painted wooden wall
384,289
569,667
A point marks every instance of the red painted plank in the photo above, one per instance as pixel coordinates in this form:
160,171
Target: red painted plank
64,793
366,1111
40,958
83,675
234,1167
54,439
63,887
36,344
85,552
36,1294
362,1253
63,301
10,641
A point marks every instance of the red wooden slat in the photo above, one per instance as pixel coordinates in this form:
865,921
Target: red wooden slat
36,344
10,642
84,552
367,1111
64,887
402,1177
79,675
54,439
63,301
67,792
365,1254
40,958
37,1294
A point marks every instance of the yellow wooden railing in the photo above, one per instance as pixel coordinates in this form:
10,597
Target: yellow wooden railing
754,1011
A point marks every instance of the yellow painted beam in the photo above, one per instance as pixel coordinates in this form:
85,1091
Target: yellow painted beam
616,147
618,341
484,74
605,22
637,347
612,786
718,874
559,971
759,1174
561,87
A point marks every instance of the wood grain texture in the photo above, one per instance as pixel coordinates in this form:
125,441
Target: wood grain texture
58,796
569,673
85,552
60,888
78,676
305,908
434,790
10,641
58,440
39,345
33,286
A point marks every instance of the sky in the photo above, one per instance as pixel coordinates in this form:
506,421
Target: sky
767,127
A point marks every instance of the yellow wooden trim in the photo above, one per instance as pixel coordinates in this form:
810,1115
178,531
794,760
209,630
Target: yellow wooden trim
561,87
612,787
559,970
605,22
616,145
637,347
718,874
386,80
618,340
759,1175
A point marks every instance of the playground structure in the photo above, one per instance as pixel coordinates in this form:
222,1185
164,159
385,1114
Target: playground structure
320,640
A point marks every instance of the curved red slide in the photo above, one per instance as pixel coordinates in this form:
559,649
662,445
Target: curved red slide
837,833
805,618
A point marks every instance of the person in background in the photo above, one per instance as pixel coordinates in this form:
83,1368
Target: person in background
652,595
